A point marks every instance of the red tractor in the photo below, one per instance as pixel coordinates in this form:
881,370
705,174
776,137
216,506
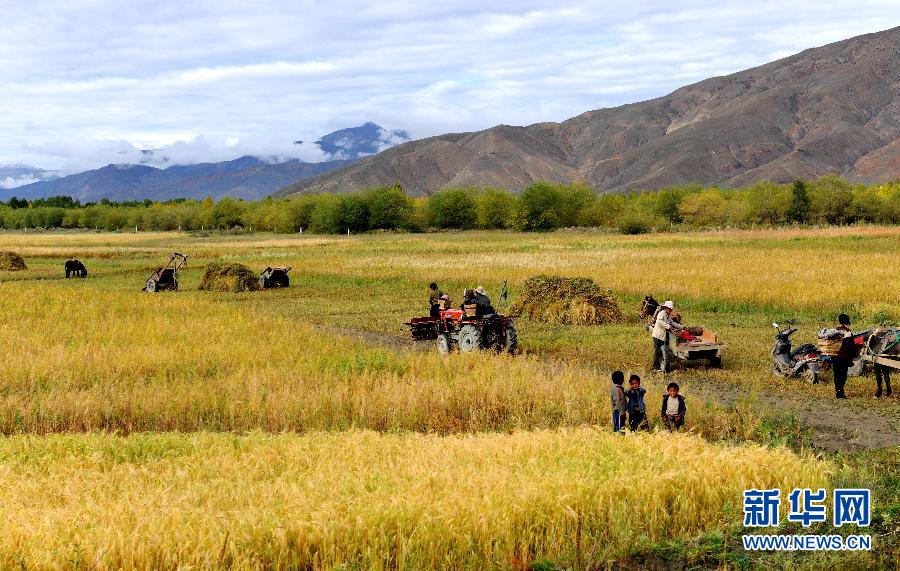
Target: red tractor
465,330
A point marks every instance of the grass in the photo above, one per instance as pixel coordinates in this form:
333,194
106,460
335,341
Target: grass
365,500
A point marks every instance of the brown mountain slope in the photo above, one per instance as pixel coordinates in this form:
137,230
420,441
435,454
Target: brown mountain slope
829,109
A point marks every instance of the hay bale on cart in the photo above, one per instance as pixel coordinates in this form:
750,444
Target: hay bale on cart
12,262
233,278
566,301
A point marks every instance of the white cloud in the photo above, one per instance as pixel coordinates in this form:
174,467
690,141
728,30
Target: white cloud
89,82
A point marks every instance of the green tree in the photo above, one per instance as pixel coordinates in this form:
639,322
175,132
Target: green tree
704,209
452,208
798,210
495,208
389,208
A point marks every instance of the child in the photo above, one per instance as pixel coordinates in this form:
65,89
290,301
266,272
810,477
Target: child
637,412
617,396
673,408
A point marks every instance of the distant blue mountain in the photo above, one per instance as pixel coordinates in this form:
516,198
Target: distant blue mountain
246,177
362,141
12,176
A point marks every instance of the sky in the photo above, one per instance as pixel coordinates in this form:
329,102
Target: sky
91,82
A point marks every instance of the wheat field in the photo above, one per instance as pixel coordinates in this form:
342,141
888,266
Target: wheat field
368,500
295,428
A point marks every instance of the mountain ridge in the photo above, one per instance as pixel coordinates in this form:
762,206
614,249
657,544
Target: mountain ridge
247,177
831,109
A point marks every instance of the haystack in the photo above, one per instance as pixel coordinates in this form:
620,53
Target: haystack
12,262
229,277
567,301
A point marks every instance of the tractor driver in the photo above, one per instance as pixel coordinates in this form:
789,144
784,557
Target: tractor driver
484,302
434,299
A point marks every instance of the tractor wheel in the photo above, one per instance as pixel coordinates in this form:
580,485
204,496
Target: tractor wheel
511,340
151,285
443,344
469,339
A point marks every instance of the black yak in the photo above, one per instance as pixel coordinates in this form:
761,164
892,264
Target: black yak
75,269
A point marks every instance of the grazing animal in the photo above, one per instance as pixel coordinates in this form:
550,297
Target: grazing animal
75,269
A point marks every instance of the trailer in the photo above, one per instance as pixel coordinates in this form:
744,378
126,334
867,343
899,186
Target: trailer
703,347
165,278
883,348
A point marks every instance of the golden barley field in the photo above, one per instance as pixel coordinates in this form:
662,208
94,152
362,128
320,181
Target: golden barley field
298,428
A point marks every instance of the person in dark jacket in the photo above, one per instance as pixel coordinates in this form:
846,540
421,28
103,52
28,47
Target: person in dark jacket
434,299
673,408
637,411
840,364
484,301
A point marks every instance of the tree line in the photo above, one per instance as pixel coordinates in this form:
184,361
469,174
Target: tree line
540,206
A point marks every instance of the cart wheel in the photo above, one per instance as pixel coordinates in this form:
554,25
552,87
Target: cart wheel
443,344
151,285
469,339
715,362
174,285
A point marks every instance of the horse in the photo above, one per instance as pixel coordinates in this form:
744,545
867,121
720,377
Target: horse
76,269
650,307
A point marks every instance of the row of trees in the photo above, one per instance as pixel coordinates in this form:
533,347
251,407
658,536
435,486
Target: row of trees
540,206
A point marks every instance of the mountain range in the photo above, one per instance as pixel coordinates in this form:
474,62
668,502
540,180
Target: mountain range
833,109
246,177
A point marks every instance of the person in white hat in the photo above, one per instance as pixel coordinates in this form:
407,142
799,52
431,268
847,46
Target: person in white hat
661,331
483,299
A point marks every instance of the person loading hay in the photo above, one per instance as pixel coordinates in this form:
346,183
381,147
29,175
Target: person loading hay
662,328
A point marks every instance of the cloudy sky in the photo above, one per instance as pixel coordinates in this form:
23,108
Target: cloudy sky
89,82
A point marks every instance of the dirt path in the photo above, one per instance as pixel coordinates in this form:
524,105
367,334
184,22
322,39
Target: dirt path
836,425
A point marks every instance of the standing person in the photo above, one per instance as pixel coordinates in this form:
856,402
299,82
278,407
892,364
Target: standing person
434,299
841,362
617,396
662,328
637,412
673,408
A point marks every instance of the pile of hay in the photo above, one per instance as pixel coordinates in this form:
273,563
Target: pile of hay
567,301
229,277
12,262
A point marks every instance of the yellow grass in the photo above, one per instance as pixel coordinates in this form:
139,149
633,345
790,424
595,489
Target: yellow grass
369,501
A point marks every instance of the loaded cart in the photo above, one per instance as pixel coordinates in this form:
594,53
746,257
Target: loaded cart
883,348
165,278
697,344
690,344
